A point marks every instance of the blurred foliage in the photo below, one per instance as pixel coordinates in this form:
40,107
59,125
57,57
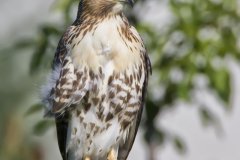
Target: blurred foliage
202,34
16,145
42,126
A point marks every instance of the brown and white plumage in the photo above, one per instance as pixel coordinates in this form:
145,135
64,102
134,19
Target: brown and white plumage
97,87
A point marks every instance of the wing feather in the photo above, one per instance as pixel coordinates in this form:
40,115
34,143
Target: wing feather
67,86
71,86
126,147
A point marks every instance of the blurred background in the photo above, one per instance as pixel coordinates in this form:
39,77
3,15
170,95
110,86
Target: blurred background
193,105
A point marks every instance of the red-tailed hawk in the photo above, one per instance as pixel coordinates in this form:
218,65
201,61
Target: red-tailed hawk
98,83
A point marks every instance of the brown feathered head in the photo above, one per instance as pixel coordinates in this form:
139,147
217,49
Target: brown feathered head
101,8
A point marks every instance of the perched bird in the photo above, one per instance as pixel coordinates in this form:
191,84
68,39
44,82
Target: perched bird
97,86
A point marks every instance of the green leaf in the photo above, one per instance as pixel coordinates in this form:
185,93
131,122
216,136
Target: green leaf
40,51
41,127
160,136
179,145
25,43
34,109
50,30
206,116
220,81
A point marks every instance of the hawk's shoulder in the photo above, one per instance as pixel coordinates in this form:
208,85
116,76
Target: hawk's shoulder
63,46
67,84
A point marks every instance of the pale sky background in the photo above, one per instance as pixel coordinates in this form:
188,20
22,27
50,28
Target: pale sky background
18,19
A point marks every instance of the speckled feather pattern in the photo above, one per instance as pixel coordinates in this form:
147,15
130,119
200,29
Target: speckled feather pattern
99,78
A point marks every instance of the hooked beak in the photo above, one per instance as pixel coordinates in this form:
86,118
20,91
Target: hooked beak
130,2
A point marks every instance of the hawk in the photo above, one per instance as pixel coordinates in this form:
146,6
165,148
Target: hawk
97,86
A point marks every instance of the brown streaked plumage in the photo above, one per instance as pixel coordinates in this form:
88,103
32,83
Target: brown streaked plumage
97,87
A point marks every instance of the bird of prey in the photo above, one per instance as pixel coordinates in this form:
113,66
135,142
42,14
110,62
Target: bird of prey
97,86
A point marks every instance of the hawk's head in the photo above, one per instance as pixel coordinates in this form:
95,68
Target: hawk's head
102,7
